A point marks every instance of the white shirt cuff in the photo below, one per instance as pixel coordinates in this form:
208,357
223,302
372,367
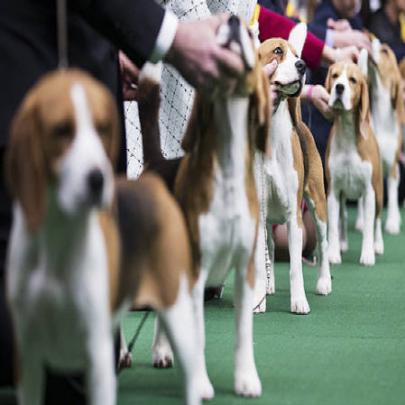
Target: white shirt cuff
165,37
329,38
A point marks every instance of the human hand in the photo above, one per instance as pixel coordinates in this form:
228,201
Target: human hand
346,54
351,37
338,25
198,57
319,97
269,69
129,77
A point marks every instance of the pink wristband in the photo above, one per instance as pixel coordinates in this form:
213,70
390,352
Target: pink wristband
309,91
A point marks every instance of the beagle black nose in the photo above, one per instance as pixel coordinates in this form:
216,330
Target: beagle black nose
301,66
95,182
340,88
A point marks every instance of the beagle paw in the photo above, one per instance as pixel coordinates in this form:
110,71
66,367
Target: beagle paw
379,247
300,306
162,358
359,224
334,256
206,389
125,360
367,257
344,246
392,226
247,383
324,286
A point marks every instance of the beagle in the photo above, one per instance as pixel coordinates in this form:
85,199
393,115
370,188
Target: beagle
353,165
292,174
215,186
387,113
84,246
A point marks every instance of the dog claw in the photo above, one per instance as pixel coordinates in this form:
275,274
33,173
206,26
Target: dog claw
125,360
247,384
300,306
324,286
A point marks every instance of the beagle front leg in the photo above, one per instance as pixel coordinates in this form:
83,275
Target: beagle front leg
247,382
101,381
185,344
162,354
367,257
393,222
333,227
298,299
259,303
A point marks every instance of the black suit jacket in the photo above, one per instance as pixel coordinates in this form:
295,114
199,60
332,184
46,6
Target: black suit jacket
96,28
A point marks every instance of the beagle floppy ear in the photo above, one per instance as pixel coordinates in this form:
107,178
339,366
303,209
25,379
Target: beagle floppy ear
397,98
260,112
25,166
362,63
113,146
328,81
297,37
364,108
199,122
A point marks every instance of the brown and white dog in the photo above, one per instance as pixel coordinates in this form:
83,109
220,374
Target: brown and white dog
387,113
216,188
353,165
83,246
293,173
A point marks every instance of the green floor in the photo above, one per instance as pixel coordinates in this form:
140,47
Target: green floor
349,350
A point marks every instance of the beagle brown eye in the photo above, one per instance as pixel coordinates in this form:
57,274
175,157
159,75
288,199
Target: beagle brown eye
335,76
385,51
103,129
63,129
278,51
352,80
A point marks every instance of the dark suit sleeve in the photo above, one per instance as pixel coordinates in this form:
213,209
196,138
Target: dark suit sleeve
132,25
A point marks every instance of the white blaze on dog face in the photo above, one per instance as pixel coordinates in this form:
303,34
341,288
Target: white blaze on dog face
289,76
85,177
344,84
236,36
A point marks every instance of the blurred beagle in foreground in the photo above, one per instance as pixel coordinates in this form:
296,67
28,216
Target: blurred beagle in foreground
293,173
353,164
215,186
84,247
387,113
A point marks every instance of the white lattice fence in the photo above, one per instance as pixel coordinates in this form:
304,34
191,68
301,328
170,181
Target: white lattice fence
176,94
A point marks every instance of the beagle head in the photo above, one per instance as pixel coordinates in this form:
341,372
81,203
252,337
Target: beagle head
348,90
252,84
63,140
289,77
383,66
236,36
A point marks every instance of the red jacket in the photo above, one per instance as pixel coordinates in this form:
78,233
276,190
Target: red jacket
273,25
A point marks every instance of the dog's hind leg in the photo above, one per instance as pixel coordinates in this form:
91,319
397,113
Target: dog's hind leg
367,257
343,224
247,382
162,354
259,303
360,215
378,237
393,222
179,322
299,302
333,228
317,206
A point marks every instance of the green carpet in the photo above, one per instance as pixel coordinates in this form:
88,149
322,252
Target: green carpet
350,350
